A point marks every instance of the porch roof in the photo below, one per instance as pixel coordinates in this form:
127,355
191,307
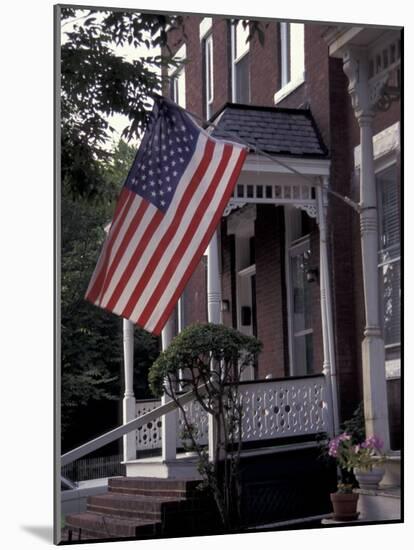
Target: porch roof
291,132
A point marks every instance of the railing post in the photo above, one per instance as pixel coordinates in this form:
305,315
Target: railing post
129,403
214,316
169,421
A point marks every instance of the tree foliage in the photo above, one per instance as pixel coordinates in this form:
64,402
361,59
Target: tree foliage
209,360
91,337
97,81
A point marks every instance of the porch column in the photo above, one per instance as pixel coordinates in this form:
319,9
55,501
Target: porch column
169,421
329,364
373,355
214,316
129,403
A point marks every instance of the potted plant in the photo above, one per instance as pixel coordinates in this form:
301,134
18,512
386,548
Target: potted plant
367,468
361,459
345,500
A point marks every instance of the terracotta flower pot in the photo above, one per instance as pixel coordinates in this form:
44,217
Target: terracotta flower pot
344,506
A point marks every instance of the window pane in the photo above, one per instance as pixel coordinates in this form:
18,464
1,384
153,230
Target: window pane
242,80
303,354
241,47
389,211
391,302
302,318
297,51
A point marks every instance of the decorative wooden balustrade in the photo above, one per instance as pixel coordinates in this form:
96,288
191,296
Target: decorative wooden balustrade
272,409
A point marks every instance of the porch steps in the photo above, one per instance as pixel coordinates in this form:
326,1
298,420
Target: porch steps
138,507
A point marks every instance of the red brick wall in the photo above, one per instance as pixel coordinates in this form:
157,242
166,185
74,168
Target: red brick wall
221,63
264,67
270,298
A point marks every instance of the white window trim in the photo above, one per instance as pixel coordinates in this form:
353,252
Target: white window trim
289,245
288,89
234,61
206,25
180,56
209,74
290,86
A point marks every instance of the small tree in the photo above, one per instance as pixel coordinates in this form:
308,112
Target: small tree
209,360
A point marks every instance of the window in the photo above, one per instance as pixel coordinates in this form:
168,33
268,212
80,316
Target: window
207,45
240,63
206,38
299,299
177,78
389,256
292,58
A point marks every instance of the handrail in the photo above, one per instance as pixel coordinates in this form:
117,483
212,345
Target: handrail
118,432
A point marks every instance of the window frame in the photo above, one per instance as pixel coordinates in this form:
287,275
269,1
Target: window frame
208,73
174,73
287,85
235,60
291,243
392,371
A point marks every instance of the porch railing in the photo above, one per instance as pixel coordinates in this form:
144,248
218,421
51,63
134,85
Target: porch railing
272,409
275,408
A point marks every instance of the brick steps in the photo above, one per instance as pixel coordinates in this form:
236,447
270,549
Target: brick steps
144,508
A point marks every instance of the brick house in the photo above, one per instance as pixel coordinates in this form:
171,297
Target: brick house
307,255
298,71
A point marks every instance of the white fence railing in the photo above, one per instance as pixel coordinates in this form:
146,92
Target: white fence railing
272,409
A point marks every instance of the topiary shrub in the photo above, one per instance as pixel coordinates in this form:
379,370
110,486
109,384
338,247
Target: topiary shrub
209,360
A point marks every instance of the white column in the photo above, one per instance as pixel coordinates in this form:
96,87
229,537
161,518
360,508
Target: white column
373,355
329,365
129,403
214,316
373,352
169,421
213,282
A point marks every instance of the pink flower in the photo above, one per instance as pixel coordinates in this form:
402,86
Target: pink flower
373,442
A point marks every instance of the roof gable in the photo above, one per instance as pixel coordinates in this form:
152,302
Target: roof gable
273,130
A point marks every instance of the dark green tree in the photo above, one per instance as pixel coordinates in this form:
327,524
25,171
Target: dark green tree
91,338
97,82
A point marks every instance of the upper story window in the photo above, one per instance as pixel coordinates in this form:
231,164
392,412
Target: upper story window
206,37
177,78
240,63
389,260
292,58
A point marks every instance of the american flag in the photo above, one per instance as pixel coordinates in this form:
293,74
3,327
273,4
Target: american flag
169,207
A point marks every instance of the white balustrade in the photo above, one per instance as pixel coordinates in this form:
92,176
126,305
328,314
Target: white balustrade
148,436
284,408
272,409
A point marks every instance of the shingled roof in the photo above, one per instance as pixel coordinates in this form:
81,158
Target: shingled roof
273,130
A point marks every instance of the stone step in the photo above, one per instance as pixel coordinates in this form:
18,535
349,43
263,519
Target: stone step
381,504
149,507
94,525
180,488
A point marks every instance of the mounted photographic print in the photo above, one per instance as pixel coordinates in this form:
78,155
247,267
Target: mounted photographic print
228,202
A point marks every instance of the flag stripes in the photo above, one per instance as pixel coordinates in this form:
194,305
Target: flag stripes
149,255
